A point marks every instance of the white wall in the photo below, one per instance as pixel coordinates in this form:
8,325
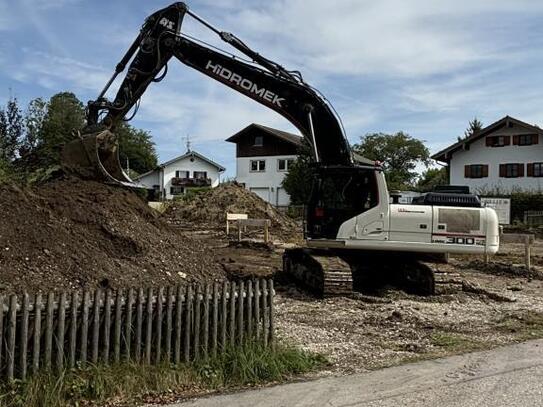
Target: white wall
187,165
479,153
265,184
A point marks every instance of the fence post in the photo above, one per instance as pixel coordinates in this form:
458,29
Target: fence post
241,290
250,309
24,336
107,325
60,330
12,329
36,331
1,327
84,326
224,313
96,325
158,333
232,313
257,309
205,339
169,310
527,250
197,318
271,293
215,317
178,323
188,318
49,330
264,312
128,323
117,324
73,328
148,332
139,324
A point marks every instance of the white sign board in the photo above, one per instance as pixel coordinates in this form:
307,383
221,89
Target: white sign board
502,206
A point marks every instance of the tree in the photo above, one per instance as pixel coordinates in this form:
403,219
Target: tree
431,178
11,130
298,181
399,153
474,126
136,147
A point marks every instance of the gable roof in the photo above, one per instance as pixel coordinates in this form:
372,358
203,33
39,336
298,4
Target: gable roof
282,135
219,167
445,154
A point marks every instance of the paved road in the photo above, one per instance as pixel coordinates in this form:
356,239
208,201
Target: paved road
510,376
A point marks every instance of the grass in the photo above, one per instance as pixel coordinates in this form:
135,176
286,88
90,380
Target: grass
453,342
127,384
528,325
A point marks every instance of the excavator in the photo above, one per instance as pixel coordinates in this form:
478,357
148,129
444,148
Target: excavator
356,234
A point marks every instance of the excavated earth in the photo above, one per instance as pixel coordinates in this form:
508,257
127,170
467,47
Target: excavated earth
71,234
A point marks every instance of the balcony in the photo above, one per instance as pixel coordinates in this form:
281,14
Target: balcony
191,182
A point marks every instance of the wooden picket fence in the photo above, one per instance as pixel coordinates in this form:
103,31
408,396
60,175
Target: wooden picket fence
151,326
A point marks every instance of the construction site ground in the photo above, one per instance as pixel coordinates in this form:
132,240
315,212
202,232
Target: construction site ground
501,303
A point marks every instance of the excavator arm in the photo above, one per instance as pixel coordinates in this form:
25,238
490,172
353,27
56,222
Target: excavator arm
260,79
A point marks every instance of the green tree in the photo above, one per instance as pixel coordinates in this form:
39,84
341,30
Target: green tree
298,181
11,130
474,126
136,147
399,153
431,178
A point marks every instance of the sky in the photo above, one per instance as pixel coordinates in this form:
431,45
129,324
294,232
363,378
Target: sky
425,67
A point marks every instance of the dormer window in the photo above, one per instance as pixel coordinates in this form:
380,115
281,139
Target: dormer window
259,141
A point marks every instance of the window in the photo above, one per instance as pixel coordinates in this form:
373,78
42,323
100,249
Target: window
200,174
511,170
284,164
498,141
175,190
259,141
476,171
535,170
182,174
258,165
525,139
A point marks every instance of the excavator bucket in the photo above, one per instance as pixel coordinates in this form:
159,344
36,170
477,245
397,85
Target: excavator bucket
96,156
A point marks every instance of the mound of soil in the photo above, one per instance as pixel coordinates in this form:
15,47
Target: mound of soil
72,234
207,210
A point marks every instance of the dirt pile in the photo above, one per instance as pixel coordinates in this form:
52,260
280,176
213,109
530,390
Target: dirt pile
207,210
73,234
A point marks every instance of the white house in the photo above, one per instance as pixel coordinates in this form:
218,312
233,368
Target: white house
263,156
176,176
505,156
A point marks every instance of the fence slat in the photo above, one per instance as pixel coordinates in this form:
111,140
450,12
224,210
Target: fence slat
12,329
158,333
215,318
128,324
250,309
49,330
84,326
169,310
36,331
149,321
241,310
60,330
224,313
197,320
1,327
232,313
117,324
139,325
264,312
107,326
271,294
257,309
178,323
73,328
24,336
96,325
205,340
188,318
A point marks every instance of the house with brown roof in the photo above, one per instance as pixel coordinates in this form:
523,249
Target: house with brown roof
503,157
263,157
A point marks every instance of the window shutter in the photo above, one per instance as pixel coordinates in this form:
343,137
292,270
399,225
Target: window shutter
507,141
535,139
489,141
467,171
515,140
520,170
530,169
503,170
485,171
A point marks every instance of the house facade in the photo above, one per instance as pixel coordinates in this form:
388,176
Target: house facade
175,177
263,157
503,157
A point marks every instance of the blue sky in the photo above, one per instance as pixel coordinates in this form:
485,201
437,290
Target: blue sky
422,66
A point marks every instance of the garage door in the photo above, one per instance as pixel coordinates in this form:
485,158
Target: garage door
263,193
282,197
